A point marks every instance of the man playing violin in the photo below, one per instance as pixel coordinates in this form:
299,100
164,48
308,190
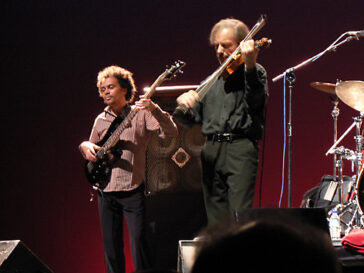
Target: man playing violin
232,117
123,197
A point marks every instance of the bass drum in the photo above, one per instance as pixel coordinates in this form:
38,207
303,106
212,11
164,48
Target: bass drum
360,190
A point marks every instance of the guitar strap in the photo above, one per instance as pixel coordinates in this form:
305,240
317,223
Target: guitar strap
114,125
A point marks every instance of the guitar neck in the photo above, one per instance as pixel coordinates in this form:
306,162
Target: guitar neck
115,137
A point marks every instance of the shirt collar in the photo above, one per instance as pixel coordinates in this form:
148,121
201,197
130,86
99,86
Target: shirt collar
124,112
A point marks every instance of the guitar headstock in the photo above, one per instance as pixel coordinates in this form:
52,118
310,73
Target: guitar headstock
174,69
168,74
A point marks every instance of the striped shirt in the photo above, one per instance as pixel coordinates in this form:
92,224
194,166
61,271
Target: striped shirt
129,172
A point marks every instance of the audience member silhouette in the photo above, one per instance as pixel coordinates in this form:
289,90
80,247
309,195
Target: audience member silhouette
261,246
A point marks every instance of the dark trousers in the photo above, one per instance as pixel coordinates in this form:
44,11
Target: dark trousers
229,173
113,207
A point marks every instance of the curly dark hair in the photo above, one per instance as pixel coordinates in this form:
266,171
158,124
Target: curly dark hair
124,77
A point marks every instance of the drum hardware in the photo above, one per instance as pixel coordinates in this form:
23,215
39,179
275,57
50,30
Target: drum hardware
352,94
350,208
351,216
335,113
350,193
340,153
356,156
358,195
358,143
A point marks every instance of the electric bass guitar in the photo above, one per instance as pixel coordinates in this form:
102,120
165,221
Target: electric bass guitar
98,173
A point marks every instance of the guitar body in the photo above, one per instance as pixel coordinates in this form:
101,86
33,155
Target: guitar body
98,173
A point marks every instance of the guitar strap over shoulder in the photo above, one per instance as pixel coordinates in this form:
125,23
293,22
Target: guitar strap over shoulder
114,125
116,122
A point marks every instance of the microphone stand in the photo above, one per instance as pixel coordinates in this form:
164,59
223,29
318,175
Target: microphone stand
289,76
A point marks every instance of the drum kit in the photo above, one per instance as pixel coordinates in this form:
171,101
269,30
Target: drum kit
350,207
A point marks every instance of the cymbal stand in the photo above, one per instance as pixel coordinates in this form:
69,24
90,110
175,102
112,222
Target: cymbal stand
335,113
354,221
358,143
338,162
356,218
339,152
357,156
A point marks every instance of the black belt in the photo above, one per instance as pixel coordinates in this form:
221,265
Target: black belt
224,137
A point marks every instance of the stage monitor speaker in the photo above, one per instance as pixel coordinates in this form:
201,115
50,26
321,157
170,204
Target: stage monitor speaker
296,217
15,257
186,255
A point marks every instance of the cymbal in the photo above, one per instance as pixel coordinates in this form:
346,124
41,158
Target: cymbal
352,94
324,86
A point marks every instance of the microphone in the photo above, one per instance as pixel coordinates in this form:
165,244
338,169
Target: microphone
359,33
